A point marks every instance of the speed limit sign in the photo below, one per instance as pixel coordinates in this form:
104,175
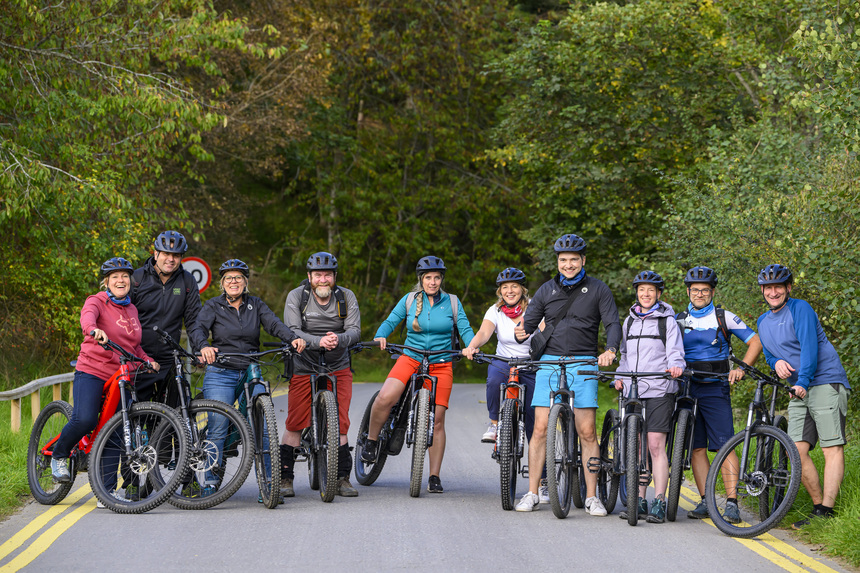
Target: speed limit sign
199,270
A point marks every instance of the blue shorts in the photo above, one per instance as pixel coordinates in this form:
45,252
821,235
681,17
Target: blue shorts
584,386
714,424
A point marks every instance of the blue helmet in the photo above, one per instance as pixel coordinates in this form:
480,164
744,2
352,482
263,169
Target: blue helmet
429,264
649,278
322,261
511,274
569,244
775,274
234,265
116,264
701,275
170,242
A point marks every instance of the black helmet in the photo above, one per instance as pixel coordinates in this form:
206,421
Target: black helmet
116,264
428,264
569,244
775,275
649,278
322,261
170,242
511,274
701,275
234,265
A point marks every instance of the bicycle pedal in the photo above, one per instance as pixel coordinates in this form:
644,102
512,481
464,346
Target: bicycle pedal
594,465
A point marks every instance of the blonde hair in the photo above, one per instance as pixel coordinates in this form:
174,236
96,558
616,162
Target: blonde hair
524,298
104,282
419,300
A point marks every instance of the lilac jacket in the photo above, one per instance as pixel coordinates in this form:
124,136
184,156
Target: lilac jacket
649,354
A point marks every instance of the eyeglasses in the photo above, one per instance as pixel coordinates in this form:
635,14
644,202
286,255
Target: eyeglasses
700,292
234,279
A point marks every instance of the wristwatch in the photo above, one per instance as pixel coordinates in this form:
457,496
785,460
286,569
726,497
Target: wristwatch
612,350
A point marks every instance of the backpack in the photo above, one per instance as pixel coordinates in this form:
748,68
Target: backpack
661,329
306,297
721,325
455,339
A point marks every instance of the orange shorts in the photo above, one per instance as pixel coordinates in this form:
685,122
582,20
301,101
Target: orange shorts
299,401
444,373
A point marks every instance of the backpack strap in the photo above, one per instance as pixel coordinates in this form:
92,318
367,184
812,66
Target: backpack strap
681,319
661,330
136,279
455,333
339,298
723,327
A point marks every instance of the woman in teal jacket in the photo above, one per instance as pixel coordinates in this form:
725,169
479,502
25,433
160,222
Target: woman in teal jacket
430,320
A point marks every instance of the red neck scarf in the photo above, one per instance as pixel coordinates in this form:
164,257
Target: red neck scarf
512,312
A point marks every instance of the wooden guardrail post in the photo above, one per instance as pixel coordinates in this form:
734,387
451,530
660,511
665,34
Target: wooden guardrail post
16,415
35,404
58,391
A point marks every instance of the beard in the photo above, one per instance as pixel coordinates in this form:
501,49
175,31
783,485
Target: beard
322,291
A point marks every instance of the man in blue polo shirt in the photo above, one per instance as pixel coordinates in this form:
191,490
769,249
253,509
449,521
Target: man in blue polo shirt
796,347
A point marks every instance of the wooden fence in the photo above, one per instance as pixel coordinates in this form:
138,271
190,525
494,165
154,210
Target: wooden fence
32,389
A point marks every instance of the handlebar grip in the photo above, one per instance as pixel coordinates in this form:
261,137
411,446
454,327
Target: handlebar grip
371,343
273,344
93,333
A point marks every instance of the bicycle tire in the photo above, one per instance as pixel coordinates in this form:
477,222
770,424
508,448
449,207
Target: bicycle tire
679,454
313,474
760,480
559,466
236,458
367,473
266,429
46,428
329,432
506,451
419,445
577,485
632,470
159,457
769,500
607,479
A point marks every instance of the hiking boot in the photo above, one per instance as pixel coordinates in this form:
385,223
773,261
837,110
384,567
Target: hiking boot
287,488
658,512
368,452
208,490
701,511
192,489
732,514
594,507
490,435
434,485
60,470
643,509
345,489
543,492
529,502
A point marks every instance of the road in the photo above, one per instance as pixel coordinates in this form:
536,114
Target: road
383,529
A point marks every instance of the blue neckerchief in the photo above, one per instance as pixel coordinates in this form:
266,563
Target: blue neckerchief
700,312
570,282
120,301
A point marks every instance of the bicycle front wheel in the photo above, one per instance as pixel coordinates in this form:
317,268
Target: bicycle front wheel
577,486
267,458
419,446
366,473
46,430
607,478
560,465
154,467
506,451
770,471
631,456
329,436
683,427
772,499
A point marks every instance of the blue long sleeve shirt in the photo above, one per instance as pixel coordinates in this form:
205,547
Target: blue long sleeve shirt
794,334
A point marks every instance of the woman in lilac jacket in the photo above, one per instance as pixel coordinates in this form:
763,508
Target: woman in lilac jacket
651,342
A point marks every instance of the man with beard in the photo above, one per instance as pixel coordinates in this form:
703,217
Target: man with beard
326,316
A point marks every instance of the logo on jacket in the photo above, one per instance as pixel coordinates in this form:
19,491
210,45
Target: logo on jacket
584,290
250,307
129,324
176,290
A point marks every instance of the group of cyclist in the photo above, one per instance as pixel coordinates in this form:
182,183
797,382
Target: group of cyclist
322,320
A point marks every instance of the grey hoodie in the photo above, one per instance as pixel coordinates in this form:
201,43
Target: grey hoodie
649,354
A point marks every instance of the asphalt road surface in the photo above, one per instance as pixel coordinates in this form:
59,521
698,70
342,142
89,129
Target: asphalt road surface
463,529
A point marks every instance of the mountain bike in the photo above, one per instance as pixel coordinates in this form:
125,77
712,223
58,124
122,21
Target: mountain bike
565,473
770,467
411,421
227,470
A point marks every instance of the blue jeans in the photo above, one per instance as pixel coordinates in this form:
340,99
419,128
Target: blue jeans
497,374
87,393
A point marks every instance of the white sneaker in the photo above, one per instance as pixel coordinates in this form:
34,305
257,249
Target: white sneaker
529,502
594,507
490,435
120,497
543,492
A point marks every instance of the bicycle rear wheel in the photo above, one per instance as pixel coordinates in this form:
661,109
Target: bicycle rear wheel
329,435
236,455
771,471
560,466
46,430
506,452
632,470
156,465
607,479
771,500
419,445
677,459
366,473
267,454
577,486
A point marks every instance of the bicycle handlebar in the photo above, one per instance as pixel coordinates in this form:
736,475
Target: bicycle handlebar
111,345
760,376
394,348
168,340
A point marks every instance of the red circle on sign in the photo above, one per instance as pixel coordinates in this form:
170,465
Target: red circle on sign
199,270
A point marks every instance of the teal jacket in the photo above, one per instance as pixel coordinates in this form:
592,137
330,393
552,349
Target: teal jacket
436,323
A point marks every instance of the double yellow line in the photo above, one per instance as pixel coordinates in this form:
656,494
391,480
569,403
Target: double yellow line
43,541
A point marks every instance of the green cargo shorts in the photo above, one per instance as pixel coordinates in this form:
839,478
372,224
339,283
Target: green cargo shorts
819,416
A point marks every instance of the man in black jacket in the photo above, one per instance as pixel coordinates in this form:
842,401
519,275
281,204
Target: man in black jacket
165,295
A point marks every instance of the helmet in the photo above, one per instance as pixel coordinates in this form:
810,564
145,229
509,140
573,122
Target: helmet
116,264
775,275
430,263
701,275
234,265
569,244
170,242
322,261
649,278
511,274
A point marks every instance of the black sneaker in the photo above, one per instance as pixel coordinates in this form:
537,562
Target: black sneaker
434,485
816,512
368,452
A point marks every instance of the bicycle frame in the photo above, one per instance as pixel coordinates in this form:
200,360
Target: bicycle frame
319,383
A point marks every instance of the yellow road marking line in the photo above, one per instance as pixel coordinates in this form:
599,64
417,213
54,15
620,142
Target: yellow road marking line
44,541
39,522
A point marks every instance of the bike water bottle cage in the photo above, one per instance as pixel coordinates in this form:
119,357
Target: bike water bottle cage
649,278
322,261
511,274
234,265
430,264
775,274
170,242
570,244
701,275
116,264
